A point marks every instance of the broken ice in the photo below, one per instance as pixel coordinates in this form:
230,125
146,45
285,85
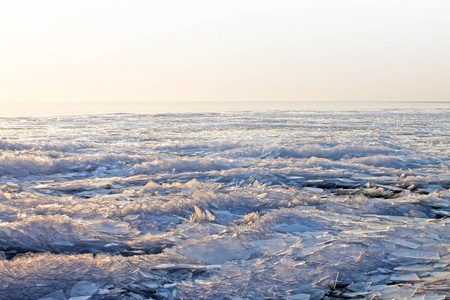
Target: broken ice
244,205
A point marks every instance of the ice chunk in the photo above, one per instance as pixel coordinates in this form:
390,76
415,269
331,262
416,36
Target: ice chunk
56,295
63,243
298,227
84,288
223,216
198,216
404,277
210,216
379,278
256,184
394,291
415,254
202,197
76,185
136,179
3,196
442,212
441,275
359,286
216,251
299,297
314,190
390,187
151,185
110,227
429,297
359,295
193,184
151,284
275,245
414,268
310,250
201,216
406,243
248,218
374,192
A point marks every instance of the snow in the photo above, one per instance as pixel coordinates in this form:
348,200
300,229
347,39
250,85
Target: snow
243,205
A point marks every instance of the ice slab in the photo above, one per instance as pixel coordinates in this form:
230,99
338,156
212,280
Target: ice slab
299,296
84,289
411,277
56,295
415,254
216,251
110,227
415,268
394,291
201,216
406,243
272,246
429,297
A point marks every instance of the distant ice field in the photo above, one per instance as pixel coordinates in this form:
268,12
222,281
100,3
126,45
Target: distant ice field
67,108
351,204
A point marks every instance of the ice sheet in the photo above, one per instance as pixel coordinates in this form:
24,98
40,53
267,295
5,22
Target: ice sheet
244,205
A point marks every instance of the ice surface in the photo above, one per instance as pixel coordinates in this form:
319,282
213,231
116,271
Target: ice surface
245,205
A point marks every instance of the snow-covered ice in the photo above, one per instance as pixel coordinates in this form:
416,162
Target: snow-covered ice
242,205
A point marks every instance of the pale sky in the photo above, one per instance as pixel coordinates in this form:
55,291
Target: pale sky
318,50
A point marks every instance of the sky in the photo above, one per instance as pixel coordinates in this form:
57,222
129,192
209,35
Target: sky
216,51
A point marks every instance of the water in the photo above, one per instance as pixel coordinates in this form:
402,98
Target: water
256,204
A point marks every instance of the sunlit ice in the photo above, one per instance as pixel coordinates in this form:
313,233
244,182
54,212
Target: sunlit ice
224,150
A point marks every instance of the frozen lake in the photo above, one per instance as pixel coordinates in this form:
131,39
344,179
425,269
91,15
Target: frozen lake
237,205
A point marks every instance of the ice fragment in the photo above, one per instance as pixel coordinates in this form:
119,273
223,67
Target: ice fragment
217,251
83,288
415,254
